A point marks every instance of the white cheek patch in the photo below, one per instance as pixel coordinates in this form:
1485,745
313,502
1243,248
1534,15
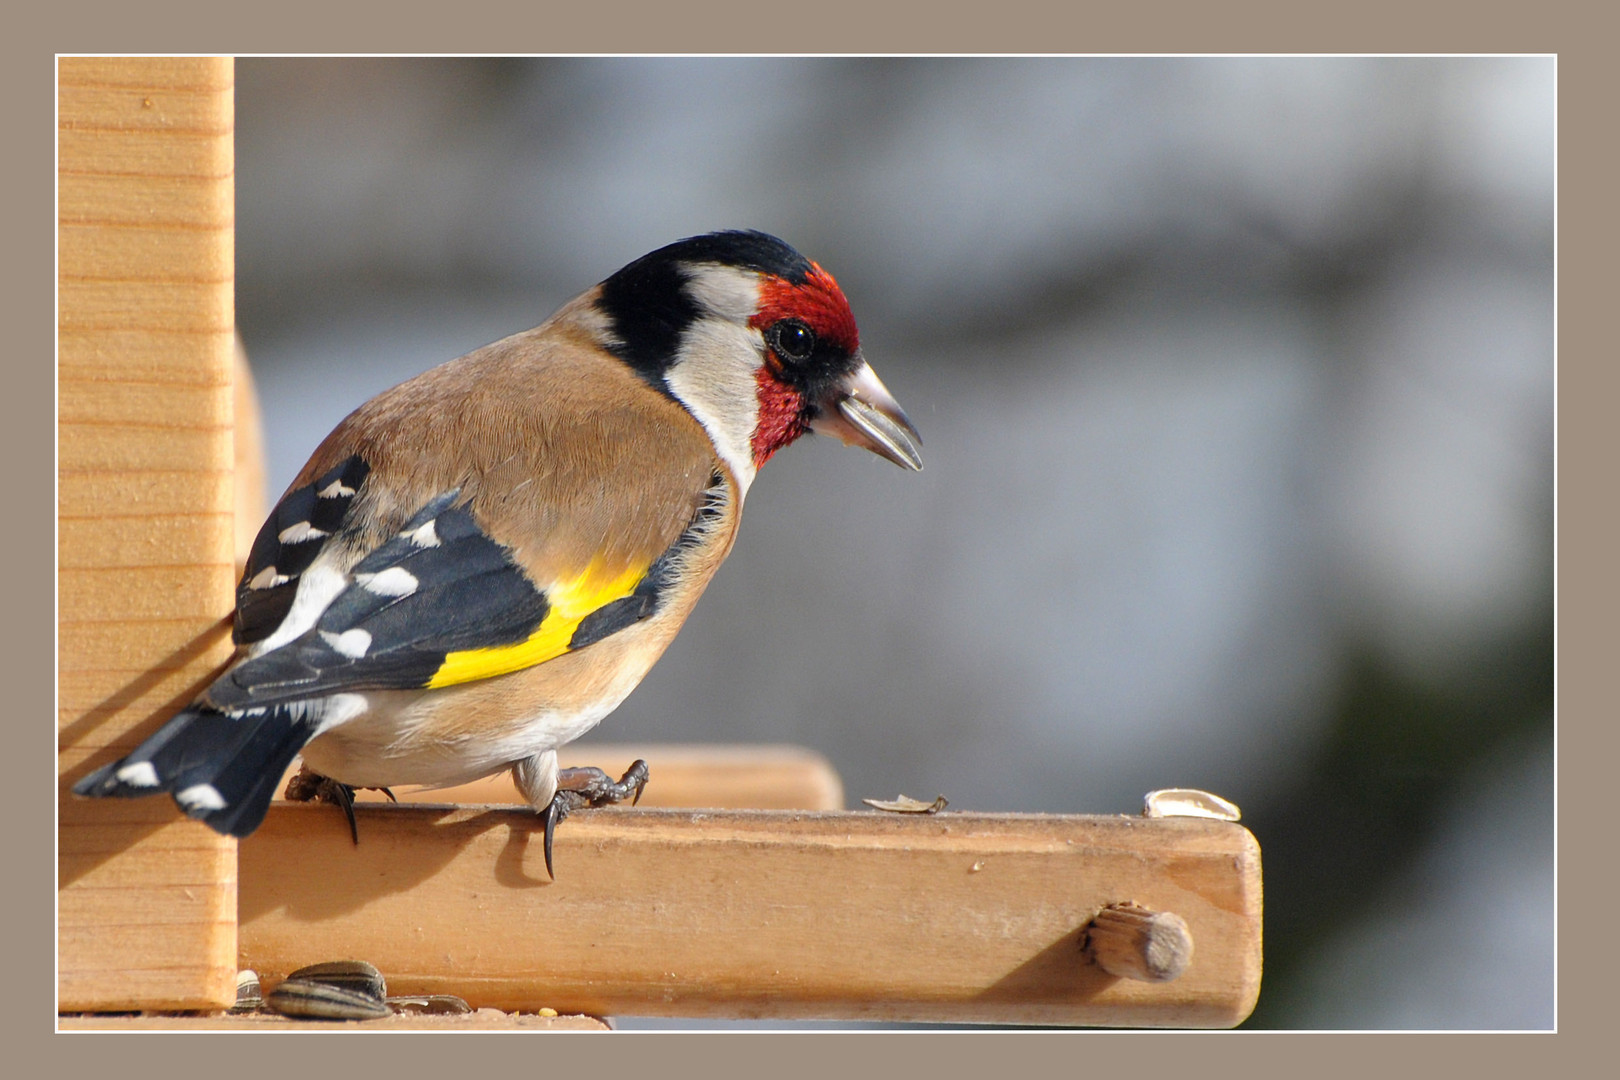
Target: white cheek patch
714,376
715,368
728,291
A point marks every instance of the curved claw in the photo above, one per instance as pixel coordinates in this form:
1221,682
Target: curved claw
310,786
636,777
557,809
328,790
555,812
344,797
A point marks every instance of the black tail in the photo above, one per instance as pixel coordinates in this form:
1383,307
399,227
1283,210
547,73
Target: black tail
220,769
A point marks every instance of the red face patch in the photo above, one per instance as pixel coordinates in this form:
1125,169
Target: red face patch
820,304
781,415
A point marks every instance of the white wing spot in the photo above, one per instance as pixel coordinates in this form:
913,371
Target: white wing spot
351,643
394,581
423,536
335,490
267,579
317,587
138,774
200,797
297,534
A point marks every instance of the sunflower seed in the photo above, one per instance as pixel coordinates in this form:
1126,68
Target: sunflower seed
248,995
323,1001
356,975
905,804
1188,802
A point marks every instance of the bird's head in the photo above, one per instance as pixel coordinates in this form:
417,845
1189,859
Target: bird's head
759,345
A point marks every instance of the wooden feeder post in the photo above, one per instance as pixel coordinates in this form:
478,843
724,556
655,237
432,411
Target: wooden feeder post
145,513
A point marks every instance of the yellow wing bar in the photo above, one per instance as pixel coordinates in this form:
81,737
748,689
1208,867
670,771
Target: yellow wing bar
569,603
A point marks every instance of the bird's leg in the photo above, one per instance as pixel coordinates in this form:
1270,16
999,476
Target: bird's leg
309,786
590,786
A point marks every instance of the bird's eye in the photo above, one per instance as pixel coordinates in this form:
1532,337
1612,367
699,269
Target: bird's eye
792,340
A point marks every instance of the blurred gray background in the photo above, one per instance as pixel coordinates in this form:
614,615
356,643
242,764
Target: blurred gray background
1235,380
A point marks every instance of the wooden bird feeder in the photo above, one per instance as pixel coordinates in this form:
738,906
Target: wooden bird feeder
739,888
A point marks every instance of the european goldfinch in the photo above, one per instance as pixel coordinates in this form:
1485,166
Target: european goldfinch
479,564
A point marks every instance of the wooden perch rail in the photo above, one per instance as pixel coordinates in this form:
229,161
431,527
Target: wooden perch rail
954,918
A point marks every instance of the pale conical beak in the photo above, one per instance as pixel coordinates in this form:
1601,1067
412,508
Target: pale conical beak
860,411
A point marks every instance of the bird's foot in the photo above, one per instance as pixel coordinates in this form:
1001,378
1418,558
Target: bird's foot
590,786
597,788
309,786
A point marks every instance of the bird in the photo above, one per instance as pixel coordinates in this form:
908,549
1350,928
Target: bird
478,565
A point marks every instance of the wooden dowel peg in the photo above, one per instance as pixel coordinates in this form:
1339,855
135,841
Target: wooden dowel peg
1129,941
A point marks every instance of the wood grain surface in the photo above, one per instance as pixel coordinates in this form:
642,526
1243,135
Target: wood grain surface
955,918
146,898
